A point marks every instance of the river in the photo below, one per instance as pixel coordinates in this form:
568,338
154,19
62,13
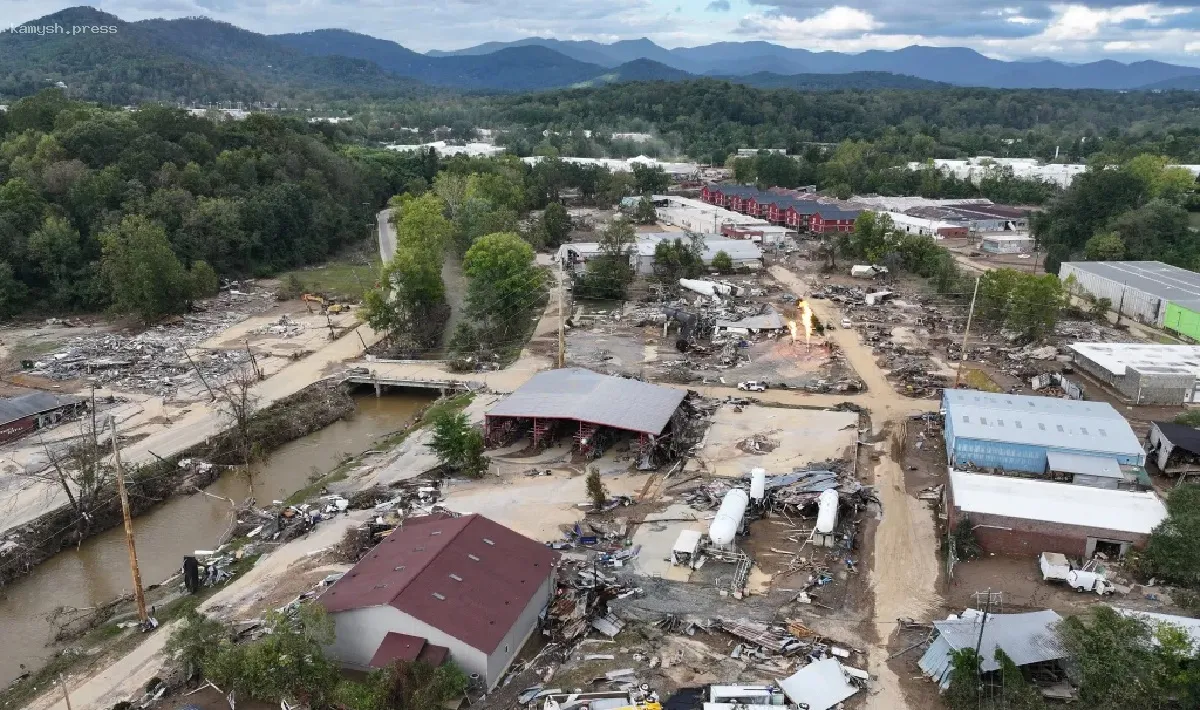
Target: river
99,570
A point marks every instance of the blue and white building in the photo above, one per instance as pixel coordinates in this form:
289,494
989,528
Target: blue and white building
1088,440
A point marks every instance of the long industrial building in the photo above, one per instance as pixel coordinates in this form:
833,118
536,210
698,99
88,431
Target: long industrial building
1023,516
1151,292
1086,442
1143,373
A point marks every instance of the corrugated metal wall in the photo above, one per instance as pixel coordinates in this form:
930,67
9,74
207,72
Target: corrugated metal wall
1018,457
1182,320
1138,304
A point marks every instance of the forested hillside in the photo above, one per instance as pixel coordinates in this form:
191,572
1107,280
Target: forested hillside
101,205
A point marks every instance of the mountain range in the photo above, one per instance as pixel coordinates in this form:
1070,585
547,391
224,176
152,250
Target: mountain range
199,59
950,65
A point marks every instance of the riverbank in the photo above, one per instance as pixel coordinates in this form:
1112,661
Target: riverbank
291,418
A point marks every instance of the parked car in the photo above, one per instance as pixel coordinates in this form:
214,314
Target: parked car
846,323
752,386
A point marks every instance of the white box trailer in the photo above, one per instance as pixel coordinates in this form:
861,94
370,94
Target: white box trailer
1055,566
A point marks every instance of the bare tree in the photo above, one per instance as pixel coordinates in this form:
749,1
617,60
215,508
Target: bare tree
236,399
79,466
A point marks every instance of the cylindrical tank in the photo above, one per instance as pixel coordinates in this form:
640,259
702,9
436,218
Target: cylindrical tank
827,511
729,517
758,484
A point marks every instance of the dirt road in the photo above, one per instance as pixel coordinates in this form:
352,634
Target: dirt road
905,572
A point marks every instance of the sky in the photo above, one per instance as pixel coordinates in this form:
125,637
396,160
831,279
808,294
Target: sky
1076,31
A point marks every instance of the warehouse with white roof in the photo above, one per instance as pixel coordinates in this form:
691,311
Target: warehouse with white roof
1143,373
1025,516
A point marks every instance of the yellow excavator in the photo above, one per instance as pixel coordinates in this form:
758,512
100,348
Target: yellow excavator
327,305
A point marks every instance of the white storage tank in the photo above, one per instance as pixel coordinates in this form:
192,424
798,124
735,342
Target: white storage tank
729,517
827,511
758,484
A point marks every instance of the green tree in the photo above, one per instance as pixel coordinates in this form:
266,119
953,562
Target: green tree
677,259
557,224
964,690
1115,659
458,445
1105,247
1172,553
405,685
644,212
504,283
143,273
649,179
287,664
205,282
196,640
610,272
722,262
12,292
595,488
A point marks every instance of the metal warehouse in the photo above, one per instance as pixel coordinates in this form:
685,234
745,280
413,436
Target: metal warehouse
590,407
1020,516
1141,289
1144,373
1016,433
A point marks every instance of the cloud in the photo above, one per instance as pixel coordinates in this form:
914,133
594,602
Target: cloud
837,21
1074,30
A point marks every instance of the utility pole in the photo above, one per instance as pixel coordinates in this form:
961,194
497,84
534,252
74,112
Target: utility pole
562,317
258,374
66,696
966,332
139,596
979,644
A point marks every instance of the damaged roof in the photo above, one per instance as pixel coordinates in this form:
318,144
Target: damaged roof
1182,437
586,396
14,408
468,577
1025,638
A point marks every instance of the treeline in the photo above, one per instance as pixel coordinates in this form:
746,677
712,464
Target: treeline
1136,211
142,210
710,119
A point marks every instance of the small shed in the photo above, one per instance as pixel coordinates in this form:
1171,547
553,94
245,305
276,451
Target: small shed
1027,639
1175,448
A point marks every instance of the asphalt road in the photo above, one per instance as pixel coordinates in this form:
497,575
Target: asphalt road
387,235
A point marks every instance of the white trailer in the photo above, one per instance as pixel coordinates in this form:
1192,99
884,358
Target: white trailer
1055,566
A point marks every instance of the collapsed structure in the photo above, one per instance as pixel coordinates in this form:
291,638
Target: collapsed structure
590,408
1029,640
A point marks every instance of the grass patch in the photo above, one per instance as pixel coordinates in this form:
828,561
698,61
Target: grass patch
979,380
346,278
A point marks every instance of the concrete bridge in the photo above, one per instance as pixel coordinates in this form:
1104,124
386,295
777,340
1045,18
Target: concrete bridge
410,376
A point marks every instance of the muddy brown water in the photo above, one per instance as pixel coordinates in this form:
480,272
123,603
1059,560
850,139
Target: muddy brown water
99,570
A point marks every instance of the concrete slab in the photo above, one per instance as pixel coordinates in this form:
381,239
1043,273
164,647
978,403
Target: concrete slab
800,436
657,535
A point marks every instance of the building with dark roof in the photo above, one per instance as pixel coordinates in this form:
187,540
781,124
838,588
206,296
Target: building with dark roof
463,588
586,405
811,215
1175,448
20,416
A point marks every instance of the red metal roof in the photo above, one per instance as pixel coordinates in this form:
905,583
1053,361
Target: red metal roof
469,577
402,647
